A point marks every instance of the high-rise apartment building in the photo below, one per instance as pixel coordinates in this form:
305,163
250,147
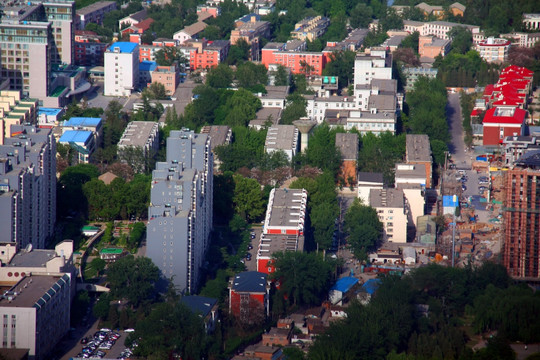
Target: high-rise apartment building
27,186
521,251
33,36
180,212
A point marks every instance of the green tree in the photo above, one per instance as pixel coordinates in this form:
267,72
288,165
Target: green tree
248,198
361,16
461,39
220,77
168,55
281,76
98,264
341,65
295,108
136,235
304,277
156,91
69,188
101,308
250,75
239,52
133,279
170,329
364,229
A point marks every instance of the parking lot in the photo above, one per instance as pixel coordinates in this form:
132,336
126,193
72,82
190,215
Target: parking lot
251,265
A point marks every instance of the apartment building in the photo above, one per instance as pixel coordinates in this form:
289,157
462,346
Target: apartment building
418,152
249,296
390,207
376,65
15,111
205,54
251,32
412,74
502,121
283,227
93,125
93,13
132,19
190,32
89,50
282,138
27,186
293,56
310,28
139,138
168,76
494,50
220,135
366,182
521,254
439,29
429,47
438,11
36,310
121,69
180,212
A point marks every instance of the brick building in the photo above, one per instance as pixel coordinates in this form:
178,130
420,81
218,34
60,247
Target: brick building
249,296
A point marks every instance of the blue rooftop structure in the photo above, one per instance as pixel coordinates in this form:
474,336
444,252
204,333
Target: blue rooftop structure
83,121
250,281
123,46
199,304
247,18
49,111
76,136
147,65
344,284
371,286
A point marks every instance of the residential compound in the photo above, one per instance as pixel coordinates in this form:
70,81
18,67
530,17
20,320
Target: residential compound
180,211
34,36
93,13
139,144
310,28
283,227
374,105
27,185
282,138
440,29
251,31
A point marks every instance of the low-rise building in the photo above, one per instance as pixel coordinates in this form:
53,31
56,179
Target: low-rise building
219,135
205,307
275,97
89,50
190,32
204,54
93,13
412,74
366,182
500,122
132,19
251,31
310,28
531,21
418,151
87,124
36,310
347,143
429,47
494,50
168,76
249,296
294,58
82,141
282,138
390,207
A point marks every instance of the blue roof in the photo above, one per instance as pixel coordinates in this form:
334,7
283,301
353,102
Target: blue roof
250,281
247,18
371,286
199,304
147,65
344,284
450,201
48,111
125,47
82,121
76,136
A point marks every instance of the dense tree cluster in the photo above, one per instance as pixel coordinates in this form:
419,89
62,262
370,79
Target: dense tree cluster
380,154
427,114
392,326
363,228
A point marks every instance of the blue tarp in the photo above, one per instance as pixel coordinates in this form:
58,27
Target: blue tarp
371,286
344,284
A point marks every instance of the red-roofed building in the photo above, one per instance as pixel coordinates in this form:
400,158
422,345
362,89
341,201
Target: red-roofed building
138,28
503,121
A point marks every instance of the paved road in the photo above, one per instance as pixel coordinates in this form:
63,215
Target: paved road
96,99
252,264
183,95
460,154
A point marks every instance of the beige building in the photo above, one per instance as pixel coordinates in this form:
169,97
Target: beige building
251,31
35,314
390,207
168,76
531,21
430,47
418,151
366,182
494,50
310,28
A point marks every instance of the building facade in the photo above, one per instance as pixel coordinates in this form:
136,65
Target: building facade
93,13
121,69
139,144
180,212
494,50
390,207
36,311
282,138
28,186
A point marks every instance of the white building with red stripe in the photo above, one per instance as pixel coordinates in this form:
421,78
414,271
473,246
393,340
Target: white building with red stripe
283,228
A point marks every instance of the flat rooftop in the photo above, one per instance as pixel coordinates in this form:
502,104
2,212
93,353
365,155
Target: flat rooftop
411,171
386,198
138,133
123,47
273,243
279,92
219,134
34,258
94,7
418,148
347,143
36,291
83,121
281,137
77,136
286,208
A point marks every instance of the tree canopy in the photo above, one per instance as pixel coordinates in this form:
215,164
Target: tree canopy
363,228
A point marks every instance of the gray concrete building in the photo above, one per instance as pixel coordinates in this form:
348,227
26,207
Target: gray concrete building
180,212
282,138
28,186
139,144
34,314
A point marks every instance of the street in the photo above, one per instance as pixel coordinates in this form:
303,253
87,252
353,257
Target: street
460,154
183,95
95,98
